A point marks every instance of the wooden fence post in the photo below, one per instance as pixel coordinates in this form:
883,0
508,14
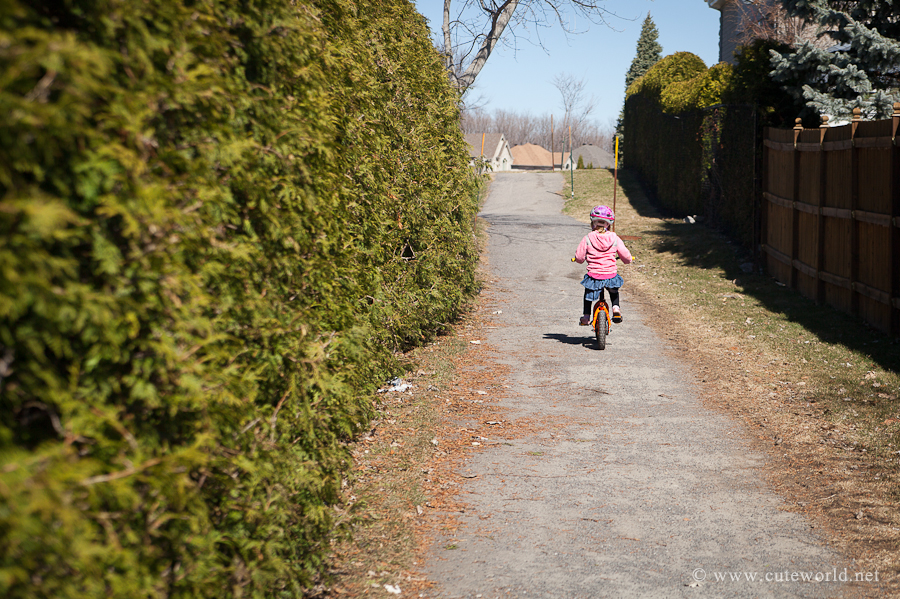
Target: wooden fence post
795,214
895,222
763,240
820,216
854,206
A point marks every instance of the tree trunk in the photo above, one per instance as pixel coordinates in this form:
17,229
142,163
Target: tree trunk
448,46
499,19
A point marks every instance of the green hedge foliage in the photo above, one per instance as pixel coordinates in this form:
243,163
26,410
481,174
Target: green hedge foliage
696,141
731,157
666,152
701,92
675,68
752,84
218,222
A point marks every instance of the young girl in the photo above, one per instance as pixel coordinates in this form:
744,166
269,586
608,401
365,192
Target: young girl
600,248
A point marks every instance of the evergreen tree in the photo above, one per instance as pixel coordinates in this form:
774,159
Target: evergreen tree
860,69
647,53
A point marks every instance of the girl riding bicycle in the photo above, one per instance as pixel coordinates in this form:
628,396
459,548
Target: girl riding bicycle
600,248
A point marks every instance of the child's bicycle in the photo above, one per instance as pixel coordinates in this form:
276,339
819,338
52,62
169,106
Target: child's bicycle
600,320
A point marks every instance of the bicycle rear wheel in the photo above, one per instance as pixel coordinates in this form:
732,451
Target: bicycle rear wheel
601,326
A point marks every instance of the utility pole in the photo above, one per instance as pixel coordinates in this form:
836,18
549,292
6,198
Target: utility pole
552,165
615,178
571,163
481,158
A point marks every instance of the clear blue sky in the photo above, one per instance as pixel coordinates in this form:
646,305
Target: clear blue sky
521,80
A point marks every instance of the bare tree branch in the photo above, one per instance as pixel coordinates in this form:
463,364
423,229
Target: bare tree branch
577,107
499,19
766,20
480,25
521,128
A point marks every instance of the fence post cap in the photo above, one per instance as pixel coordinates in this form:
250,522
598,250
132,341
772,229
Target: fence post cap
857,114
798,123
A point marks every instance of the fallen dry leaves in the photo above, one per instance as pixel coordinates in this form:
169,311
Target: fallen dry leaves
408,483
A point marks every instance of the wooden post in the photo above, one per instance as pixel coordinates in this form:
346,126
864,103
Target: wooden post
854,206
795,197
820,217
615,177
895,221
552,167
482,153
764,203
571,163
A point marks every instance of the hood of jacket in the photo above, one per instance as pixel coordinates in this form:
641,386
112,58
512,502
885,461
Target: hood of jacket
602,241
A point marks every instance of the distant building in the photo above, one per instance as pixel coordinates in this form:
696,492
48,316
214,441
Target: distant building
531,157
732,16
590,155
496,150
741,21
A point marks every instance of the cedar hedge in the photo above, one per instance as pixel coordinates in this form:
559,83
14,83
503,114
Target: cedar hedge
675,68
696,135
219,222
664,150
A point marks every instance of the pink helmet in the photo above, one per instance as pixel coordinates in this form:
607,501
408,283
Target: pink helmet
603,213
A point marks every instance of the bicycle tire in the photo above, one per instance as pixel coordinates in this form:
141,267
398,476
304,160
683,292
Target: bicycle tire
601,328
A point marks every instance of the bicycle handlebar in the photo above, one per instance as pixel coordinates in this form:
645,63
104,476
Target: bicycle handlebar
633,258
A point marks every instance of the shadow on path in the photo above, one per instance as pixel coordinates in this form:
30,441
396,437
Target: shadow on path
582,340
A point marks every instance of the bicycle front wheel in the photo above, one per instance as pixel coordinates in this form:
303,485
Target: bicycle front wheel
601,328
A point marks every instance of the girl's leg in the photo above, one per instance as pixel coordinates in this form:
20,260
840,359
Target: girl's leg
614,298
586,318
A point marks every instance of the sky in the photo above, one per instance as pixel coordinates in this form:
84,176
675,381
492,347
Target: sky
520,78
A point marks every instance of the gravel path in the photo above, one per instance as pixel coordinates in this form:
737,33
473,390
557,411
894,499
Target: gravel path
633,488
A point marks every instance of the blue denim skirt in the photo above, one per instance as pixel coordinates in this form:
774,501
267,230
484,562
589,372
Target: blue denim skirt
593,288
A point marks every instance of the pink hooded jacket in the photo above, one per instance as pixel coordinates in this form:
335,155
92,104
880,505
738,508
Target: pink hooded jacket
600,250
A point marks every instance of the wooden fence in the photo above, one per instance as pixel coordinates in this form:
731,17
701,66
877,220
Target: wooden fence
831,218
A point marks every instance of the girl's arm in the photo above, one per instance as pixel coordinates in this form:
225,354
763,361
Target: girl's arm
623,252
581,252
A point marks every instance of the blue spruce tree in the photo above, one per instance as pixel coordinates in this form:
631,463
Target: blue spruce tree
855,64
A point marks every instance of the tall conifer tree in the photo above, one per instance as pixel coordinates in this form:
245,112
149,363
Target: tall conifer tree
647,53
860,69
